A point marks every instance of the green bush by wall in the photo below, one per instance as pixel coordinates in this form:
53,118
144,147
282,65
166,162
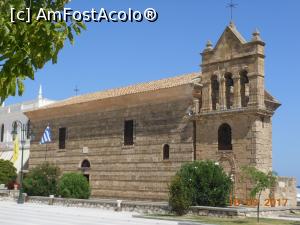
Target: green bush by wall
74,185
42,180
8,172
199,183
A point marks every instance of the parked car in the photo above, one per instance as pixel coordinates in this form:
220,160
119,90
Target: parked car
298,195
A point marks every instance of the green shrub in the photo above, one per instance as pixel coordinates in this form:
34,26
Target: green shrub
179,196
8,172
74,185
201,183
42,180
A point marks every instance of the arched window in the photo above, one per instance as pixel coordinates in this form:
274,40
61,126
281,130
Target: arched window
229,90
166,152
85,164
244,88
2,133
224,137
214,92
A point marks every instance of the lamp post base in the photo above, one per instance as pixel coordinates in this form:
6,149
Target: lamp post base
20,198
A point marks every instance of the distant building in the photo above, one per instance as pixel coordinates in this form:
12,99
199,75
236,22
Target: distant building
11,113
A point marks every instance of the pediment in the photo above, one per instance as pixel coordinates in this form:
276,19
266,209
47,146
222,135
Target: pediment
231,42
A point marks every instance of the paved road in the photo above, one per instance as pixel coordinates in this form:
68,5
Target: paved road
33,214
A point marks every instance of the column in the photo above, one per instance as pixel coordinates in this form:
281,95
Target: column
206,97
222,89
256,90
236,91
196,106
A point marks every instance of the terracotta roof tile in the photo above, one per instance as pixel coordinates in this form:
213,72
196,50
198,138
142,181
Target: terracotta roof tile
132,89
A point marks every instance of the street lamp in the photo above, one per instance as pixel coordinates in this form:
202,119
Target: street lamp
25,134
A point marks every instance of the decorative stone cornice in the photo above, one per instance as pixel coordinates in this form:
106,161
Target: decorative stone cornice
234,111
235,57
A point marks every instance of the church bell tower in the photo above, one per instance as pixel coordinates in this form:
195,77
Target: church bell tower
233,109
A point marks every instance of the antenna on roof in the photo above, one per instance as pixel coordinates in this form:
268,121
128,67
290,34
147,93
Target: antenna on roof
76,90
231,5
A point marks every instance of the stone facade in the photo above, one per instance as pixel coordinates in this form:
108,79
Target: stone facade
285,191
136,171
223,114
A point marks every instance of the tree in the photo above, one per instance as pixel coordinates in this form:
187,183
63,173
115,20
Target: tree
27,47
74,185
260,181
42,180
7,172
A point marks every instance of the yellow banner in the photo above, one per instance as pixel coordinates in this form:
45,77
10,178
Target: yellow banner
16,149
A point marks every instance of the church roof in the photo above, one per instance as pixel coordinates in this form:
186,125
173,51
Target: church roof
132,89
269,97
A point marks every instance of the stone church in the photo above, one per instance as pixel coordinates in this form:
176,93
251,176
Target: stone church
130,141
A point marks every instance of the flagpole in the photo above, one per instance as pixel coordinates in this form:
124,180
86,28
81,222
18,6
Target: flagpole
46,152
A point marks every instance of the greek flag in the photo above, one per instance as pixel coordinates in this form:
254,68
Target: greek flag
46,138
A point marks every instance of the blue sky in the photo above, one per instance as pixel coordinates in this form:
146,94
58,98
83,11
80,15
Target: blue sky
109,55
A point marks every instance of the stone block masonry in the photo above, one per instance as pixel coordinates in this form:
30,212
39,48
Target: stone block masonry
135,171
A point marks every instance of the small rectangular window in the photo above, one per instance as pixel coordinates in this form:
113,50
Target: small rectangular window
128,132
166,152
62,137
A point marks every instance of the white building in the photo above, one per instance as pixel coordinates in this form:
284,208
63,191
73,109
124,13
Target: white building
9,114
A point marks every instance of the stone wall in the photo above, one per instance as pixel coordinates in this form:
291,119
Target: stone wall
160,207
262,141
240,211
116,205
251,144
118,171
6,195
285,192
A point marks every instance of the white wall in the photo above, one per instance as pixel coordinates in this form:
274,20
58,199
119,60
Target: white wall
9,114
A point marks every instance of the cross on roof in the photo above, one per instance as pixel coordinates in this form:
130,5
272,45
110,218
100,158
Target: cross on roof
231,5
76,90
